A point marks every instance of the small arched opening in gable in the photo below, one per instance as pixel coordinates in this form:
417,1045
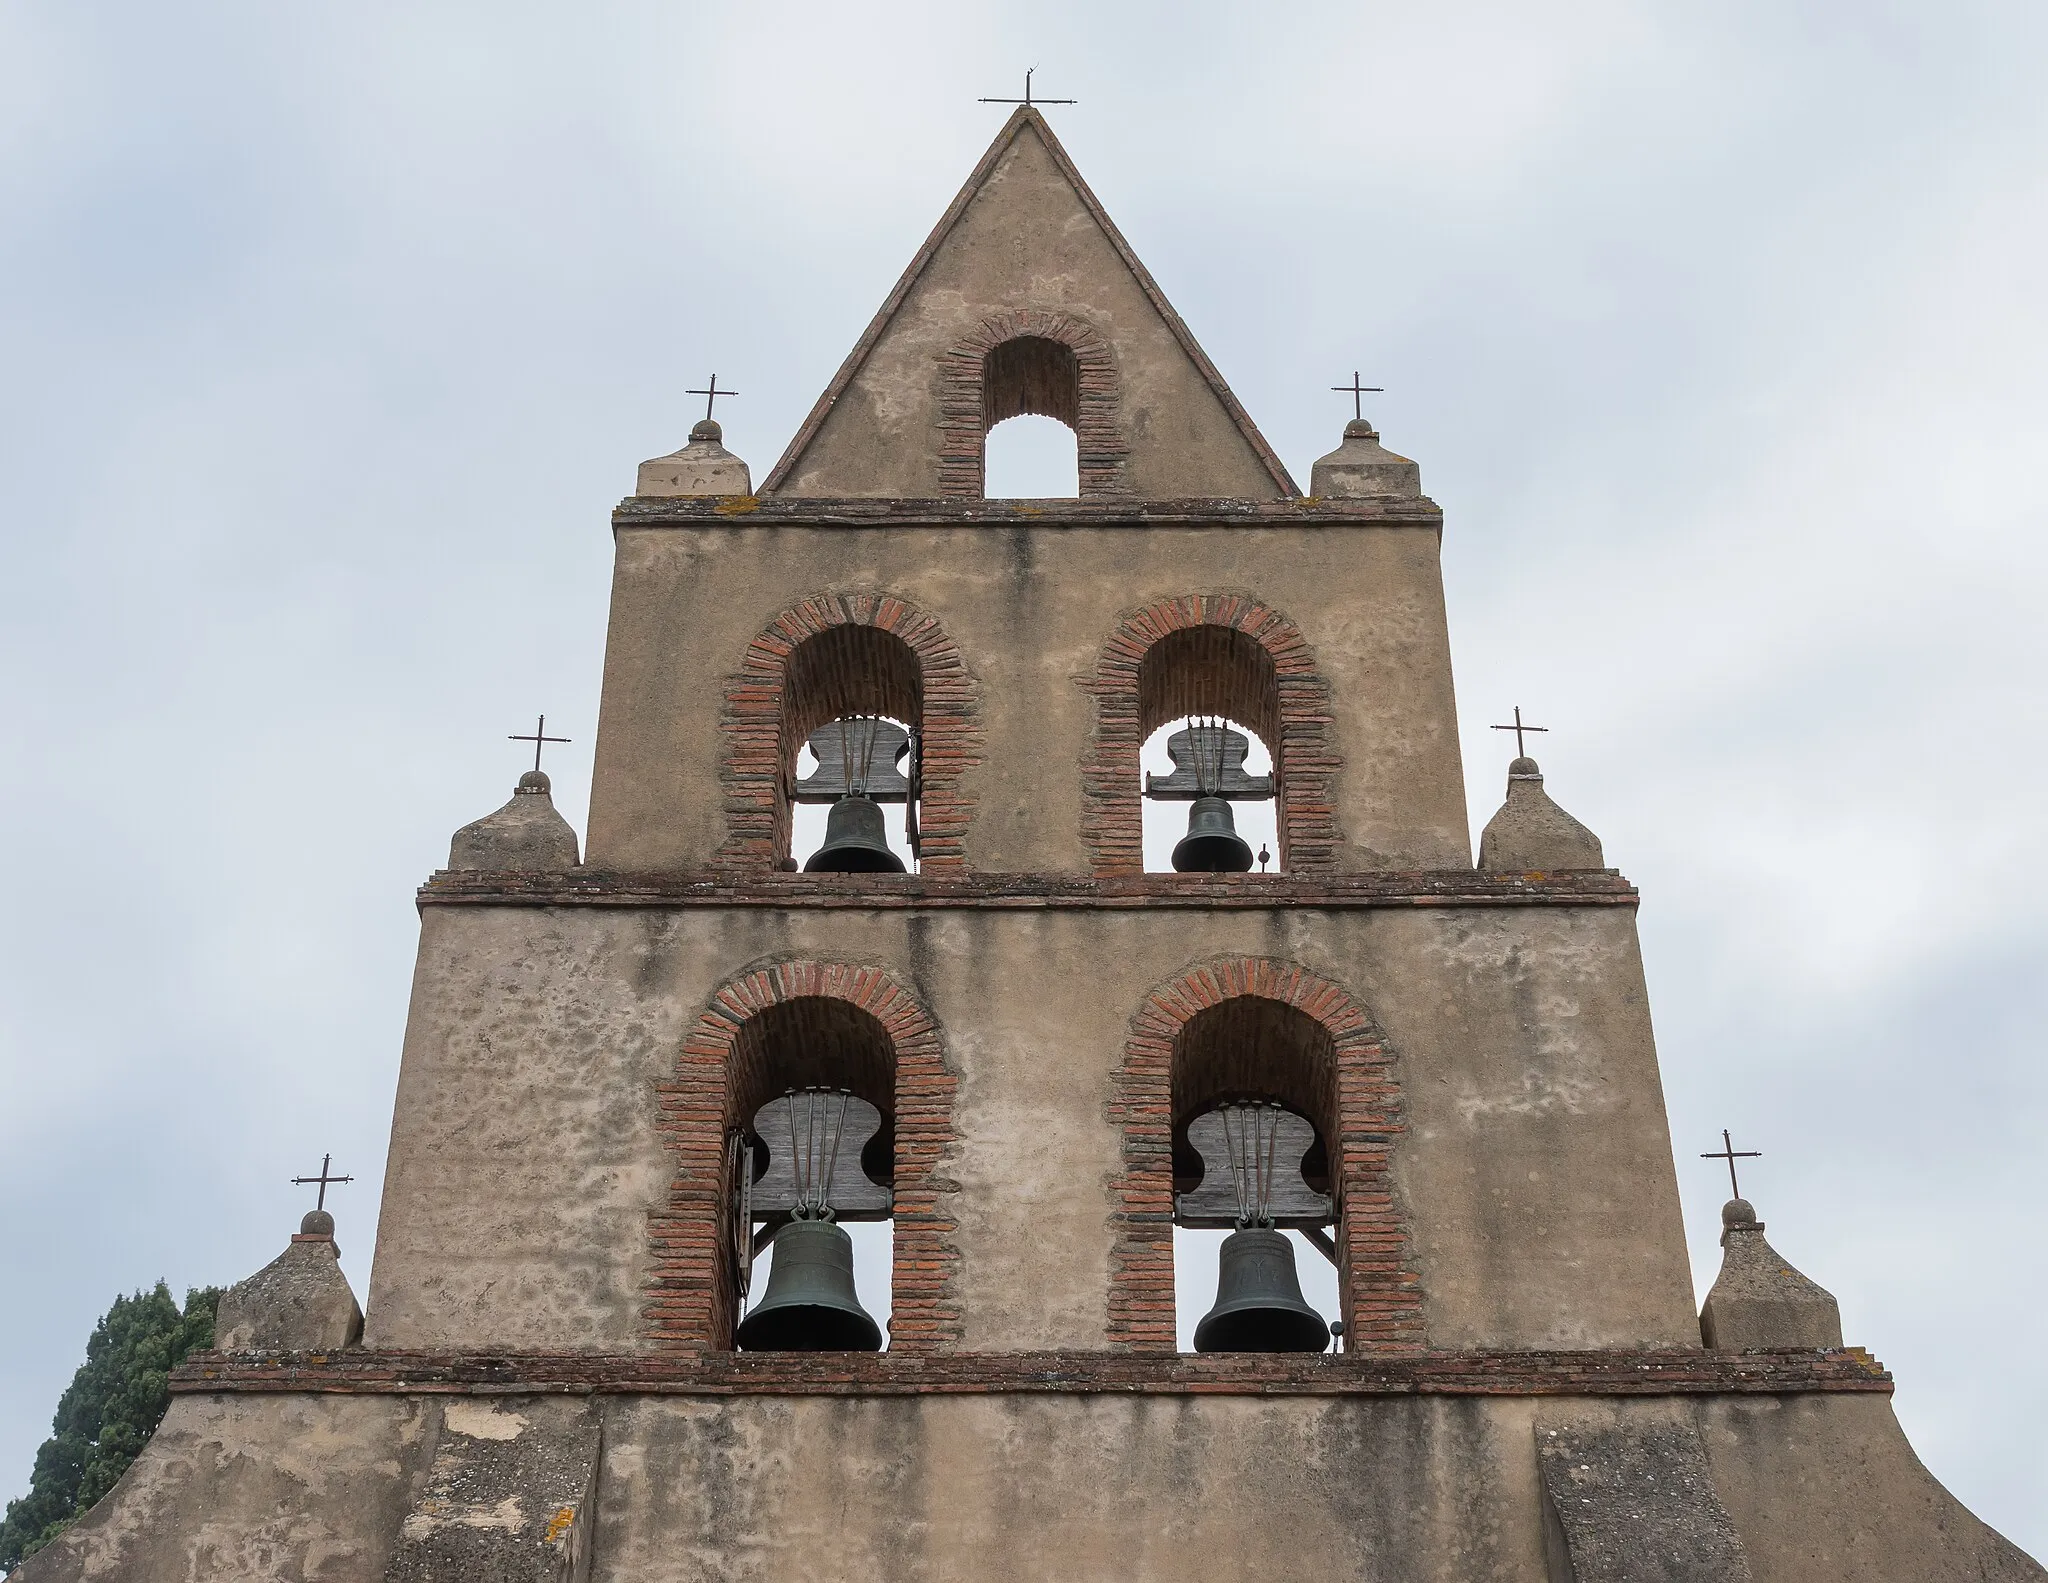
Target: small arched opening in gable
1030,412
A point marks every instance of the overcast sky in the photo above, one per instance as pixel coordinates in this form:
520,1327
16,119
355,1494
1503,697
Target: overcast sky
330,334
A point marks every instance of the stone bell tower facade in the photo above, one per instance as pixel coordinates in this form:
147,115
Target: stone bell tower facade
546,1383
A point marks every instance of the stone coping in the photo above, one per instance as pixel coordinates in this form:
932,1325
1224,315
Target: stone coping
732,888
1094,511
1673,1372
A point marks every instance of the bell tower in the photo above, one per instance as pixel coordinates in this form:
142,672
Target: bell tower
868,955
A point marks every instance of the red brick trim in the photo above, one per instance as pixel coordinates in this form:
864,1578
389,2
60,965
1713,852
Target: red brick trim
1028,892
1303,760
1378,1290
757,762
691,1288
963,405
1672,1371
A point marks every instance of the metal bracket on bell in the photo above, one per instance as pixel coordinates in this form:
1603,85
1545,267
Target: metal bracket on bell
815,1137
1251,1171
856,758
1208,761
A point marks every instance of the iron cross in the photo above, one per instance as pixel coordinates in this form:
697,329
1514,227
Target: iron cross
1518,728
1027,99
324,1179
1731,1154
710,396
1358,392
540,731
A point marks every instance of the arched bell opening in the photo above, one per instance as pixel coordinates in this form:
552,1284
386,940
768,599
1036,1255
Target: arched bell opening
810,1165
852,713
1255,1196
1209,712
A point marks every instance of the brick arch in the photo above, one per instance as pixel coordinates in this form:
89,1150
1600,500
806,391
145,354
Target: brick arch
690,1288
1382,1302
755,762
1304,762
963,405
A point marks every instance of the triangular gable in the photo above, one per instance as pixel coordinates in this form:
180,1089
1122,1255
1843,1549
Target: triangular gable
1026,249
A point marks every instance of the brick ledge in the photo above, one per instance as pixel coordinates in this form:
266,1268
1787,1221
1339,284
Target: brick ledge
1096,511
727,888
1621,1373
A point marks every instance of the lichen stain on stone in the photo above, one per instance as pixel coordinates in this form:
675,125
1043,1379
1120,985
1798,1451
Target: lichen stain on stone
479,1422
508,1516
737,505
558,1525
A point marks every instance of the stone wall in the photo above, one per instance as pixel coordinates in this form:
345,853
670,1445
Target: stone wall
1036,606
1531,1175
1149,1486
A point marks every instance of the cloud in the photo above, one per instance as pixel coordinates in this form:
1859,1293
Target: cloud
333,335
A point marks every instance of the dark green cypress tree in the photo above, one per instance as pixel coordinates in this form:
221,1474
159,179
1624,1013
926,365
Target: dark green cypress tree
114,1403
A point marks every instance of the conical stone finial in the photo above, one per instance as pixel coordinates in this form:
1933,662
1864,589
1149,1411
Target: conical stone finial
298,1302
1531,834
1363,469
527,835
703,467
1759,1301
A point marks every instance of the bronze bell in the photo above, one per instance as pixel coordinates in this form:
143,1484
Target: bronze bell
1258,1299
1212,844
856,841
810,1305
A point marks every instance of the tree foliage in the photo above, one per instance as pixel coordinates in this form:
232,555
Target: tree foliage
113,1405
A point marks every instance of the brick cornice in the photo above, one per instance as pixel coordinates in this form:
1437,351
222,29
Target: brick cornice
1030,892
1099,511
1661,1372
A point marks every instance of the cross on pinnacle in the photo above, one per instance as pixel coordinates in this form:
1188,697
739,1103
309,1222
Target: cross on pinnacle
1731,1154
540,731
710,396
324,1179
1027,99
1357,393
1518,728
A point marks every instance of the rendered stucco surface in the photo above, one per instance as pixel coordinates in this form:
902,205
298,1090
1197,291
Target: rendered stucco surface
925,1489
1535,1168
1028,241
1031,609
251,1489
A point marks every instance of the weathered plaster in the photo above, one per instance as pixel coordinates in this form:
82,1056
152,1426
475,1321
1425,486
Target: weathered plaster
1030,608
252,1489
1535,1168
1027,240
926,1489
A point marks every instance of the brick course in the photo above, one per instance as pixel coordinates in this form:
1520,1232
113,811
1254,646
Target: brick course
692,1287
1378,1291
1673,1372
1030,892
